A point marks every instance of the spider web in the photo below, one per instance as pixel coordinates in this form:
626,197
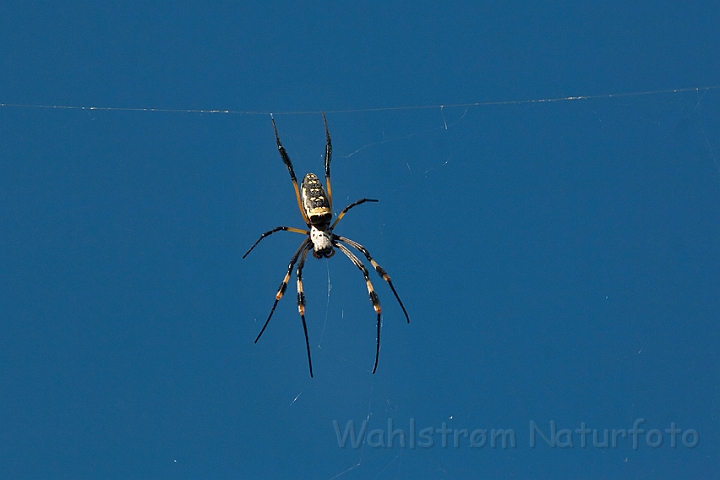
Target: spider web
386,162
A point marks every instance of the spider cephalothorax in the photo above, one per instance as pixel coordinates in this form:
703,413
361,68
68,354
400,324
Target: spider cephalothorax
316,209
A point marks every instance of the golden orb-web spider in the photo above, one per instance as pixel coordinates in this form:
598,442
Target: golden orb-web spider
316,209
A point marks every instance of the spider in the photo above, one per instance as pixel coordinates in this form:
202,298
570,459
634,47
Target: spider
316,210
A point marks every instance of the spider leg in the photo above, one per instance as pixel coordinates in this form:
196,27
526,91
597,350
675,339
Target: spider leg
345,210
371,291
288,164
276,229
328,155
380,271
283,285
301,301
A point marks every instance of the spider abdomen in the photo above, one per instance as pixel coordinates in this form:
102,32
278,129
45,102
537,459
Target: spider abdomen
315,201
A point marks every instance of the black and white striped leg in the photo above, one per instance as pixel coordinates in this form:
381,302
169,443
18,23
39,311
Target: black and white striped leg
371,292
276,229
301,302
328,157
283,285
286,160
345,210
380,271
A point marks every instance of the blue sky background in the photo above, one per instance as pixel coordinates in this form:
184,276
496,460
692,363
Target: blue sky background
560,261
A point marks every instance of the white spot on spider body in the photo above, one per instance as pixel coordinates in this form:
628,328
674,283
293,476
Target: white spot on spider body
321,239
